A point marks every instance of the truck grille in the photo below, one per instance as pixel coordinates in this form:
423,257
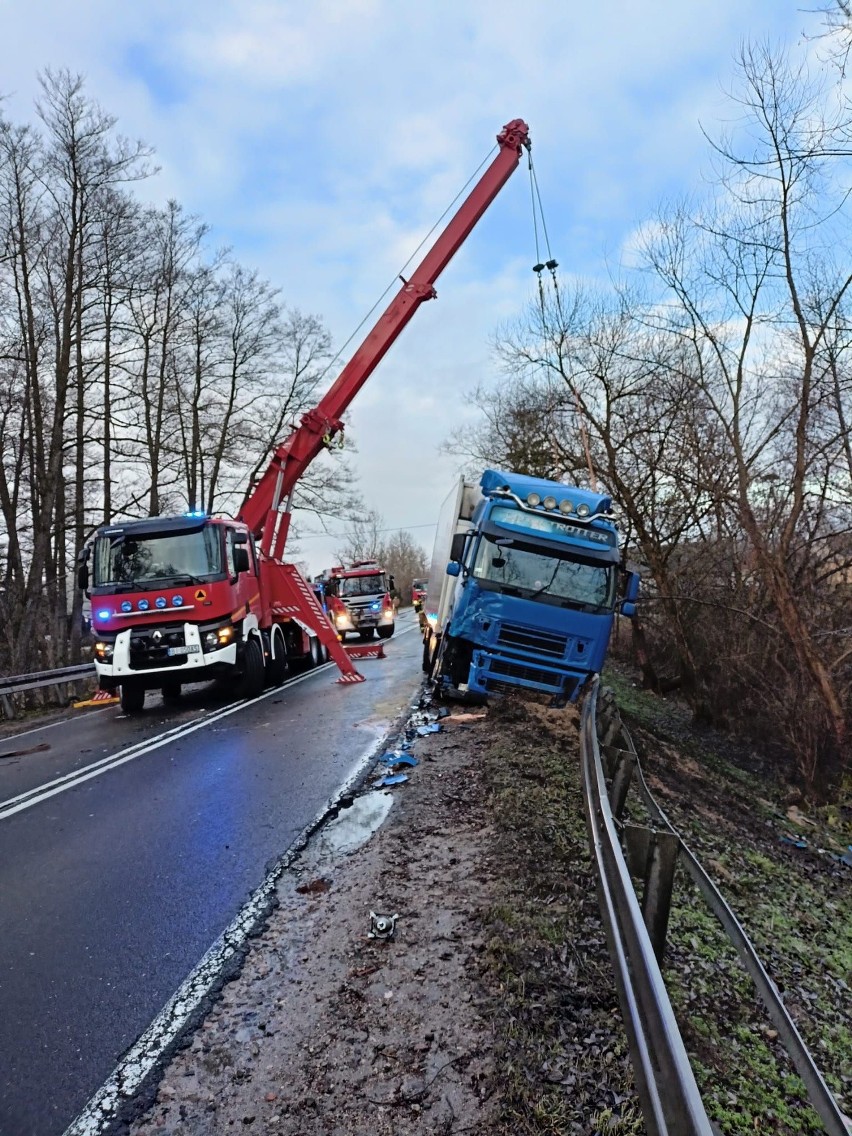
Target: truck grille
147,651
360,604
503,668
527,639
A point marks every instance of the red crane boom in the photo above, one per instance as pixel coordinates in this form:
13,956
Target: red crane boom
266,509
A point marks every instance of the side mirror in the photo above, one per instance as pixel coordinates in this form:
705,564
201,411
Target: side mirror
83,569
391,583
628,608
457,547
454,568
631,590
241,560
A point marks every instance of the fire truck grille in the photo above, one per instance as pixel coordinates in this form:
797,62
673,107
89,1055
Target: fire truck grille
360,604
526,639
149,647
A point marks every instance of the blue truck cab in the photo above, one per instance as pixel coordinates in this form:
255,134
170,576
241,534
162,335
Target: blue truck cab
525,583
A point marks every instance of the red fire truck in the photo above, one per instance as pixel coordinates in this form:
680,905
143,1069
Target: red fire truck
359,600
183,599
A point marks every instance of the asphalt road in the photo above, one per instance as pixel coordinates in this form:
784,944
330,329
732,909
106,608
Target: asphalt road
131,843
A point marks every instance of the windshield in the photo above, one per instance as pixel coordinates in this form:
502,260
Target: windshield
362,585
151,561
570,583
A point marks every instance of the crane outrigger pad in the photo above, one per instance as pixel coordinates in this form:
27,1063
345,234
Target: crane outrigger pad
365,651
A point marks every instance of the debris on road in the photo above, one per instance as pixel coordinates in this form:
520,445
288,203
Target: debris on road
382,926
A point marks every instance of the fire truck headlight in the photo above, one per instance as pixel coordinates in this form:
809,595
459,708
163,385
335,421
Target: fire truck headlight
218,637
565,506
533,499
103,651
583,510
549,502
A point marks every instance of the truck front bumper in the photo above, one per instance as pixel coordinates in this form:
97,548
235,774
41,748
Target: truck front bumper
149,662
490,671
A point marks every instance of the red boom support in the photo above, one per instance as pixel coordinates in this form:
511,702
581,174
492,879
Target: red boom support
266,509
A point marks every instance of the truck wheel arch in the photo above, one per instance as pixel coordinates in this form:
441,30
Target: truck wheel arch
278,665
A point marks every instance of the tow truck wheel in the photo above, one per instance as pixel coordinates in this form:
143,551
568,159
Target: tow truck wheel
132,699
386,632
365,636
252,678
316,652
171,693
278,667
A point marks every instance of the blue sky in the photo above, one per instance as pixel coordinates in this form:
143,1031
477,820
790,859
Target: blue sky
322,140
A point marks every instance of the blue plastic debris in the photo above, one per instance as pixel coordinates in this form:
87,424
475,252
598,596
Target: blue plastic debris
390,779
397,757
846,858
432,728
792,840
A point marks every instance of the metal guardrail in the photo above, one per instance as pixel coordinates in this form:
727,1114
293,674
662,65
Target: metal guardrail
633,933
17,684
671,1102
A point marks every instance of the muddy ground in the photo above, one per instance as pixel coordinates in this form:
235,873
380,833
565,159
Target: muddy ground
490,1010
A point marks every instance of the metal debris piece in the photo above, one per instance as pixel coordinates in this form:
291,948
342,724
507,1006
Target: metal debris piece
382,926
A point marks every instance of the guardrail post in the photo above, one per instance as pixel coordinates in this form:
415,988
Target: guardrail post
624,764
8,706
659,883
651,856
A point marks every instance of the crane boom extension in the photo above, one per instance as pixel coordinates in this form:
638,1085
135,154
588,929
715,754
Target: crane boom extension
266,509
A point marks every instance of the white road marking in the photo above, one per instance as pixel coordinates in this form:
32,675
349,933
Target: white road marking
69,780
44,792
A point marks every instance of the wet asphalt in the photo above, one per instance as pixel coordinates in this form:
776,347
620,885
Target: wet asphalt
113,887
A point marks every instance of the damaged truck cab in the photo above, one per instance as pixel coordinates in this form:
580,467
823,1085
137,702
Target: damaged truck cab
524,587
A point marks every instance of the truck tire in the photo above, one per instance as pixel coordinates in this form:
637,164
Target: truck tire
254,673
132,699
171,693
316,652
386,632
365,636
278,667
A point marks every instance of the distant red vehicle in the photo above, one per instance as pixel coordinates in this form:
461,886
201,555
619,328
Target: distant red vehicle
418,593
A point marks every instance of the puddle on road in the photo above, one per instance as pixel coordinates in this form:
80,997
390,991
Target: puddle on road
354,826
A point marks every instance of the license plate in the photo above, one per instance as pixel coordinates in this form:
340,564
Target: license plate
192,649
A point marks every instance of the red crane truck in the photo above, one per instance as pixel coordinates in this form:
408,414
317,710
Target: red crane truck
184,599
